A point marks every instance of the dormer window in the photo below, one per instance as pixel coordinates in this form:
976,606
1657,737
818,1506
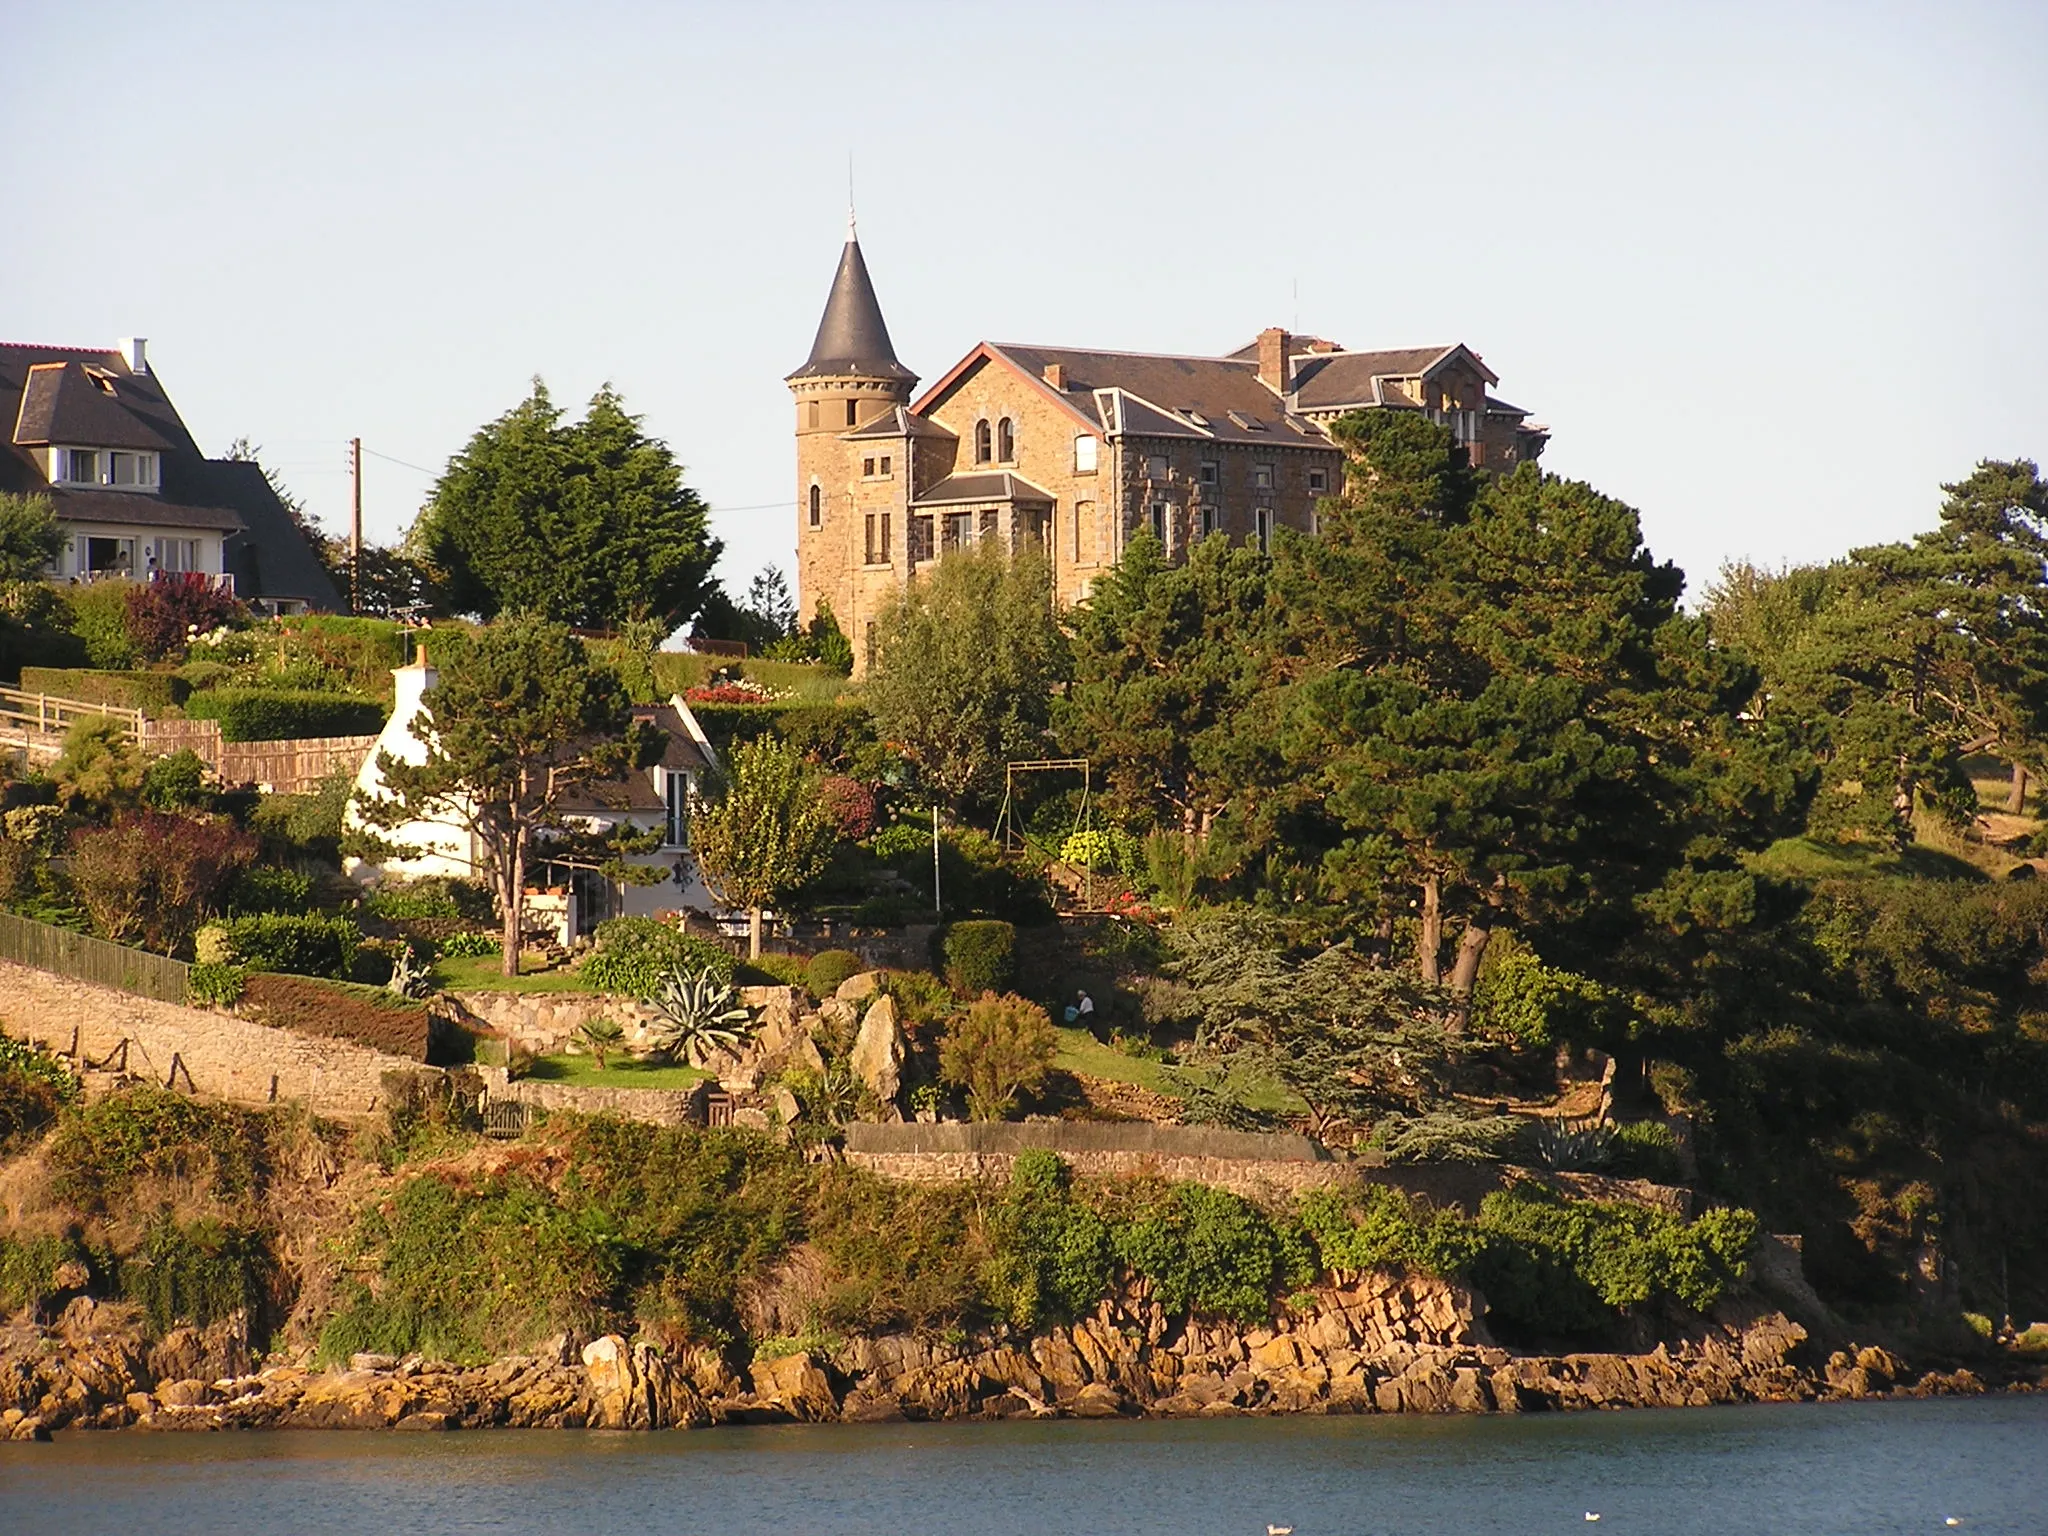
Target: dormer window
101,466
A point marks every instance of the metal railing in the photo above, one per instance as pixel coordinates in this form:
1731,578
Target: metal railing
27,942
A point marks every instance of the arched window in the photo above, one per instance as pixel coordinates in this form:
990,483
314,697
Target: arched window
981,442
1006,441
817,507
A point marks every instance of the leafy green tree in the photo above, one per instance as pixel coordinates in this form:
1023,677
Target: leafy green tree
29,537
518,723
587,523
1002,1046
1923,653
967,660
765,833
99,770
1167,661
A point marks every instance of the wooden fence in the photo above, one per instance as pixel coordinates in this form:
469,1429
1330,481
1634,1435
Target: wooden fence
27,942
44,714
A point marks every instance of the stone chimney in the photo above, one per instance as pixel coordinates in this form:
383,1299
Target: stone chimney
1275,372
136,350
1056,375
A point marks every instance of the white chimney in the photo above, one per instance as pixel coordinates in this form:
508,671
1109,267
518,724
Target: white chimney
136,350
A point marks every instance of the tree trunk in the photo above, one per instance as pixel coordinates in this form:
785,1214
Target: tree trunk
2016,800
512,897
1429,941
1471,950
753,933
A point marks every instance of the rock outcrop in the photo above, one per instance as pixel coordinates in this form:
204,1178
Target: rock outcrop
1379,1343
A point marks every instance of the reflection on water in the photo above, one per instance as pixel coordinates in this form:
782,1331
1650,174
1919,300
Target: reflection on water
1869,1469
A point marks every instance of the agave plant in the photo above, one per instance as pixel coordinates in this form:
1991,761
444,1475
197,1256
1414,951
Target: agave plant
1569,1145
600,1037
411,975
697,1015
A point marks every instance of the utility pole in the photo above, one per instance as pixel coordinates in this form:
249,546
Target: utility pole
355,525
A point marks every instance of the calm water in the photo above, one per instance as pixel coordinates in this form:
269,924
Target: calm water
1866,1468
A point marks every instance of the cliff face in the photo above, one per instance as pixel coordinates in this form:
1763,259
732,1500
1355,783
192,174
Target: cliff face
1380,1343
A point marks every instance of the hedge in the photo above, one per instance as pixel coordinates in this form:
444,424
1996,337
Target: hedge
368,1016
153,692
305,945
282,714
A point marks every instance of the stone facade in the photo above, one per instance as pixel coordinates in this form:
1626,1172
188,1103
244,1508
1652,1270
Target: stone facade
196,1050
1078,450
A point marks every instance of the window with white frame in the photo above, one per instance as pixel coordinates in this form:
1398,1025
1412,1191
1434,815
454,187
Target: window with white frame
1159,522
177,554
1155,467
1319,480
675,795
1263,527
1209,517
1211,472
1084,454
101,466
1262,477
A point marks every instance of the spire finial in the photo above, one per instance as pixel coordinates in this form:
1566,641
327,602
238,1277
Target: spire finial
852,234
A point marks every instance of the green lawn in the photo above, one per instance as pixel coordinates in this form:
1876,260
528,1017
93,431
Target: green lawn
620,1071
1806,858
1080,1052
482,973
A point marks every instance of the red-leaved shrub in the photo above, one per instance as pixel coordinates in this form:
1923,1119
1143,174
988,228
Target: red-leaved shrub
166,610
850,804
153,877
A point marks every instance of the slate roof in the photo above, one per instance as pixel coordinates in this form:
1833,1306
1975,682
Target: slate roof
853,339
894,423
50,395
71,401
1164,395
636,791
1330,381
1001,485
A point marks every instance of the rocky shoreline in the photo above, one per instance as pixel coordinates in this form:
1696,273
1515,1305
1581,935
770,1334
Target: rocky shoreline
1381,1343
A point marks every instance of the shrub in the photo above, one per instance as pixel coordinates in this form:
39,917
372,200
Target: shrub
980,957
1207,1250
99,617
301,944
1574,1145
828,968
370,1016
634,954
161,614
34,1087
99,1152
1001,1047
155,877
432,897
198,676
304,826
99,769
214,984
849,804
176,782
152,692
29,1265
199,1272
1645,1149
284,714
1051,1257
900,841
468,945
267,888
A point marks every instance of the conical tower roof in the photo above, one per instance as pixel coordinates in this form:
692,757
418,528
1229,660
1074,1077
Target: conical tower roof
853,340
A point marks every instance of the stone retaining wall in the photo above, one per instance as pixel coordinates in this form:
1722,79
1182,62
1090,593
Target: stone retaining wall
653,1106
1258,1167
195,1050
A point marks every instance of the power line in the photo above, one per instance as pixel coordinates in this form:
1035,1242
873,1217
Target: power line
432,474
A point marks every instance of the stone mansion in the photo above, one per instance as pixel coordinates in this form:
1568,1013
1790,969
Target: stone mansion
1079,448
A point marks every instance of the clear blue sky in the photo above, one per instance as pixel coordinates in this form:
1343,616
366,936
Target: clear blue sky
1770,272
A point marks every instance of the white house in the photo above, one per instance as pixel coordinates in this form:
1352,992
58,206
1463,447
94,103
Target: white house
650,799
93,430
